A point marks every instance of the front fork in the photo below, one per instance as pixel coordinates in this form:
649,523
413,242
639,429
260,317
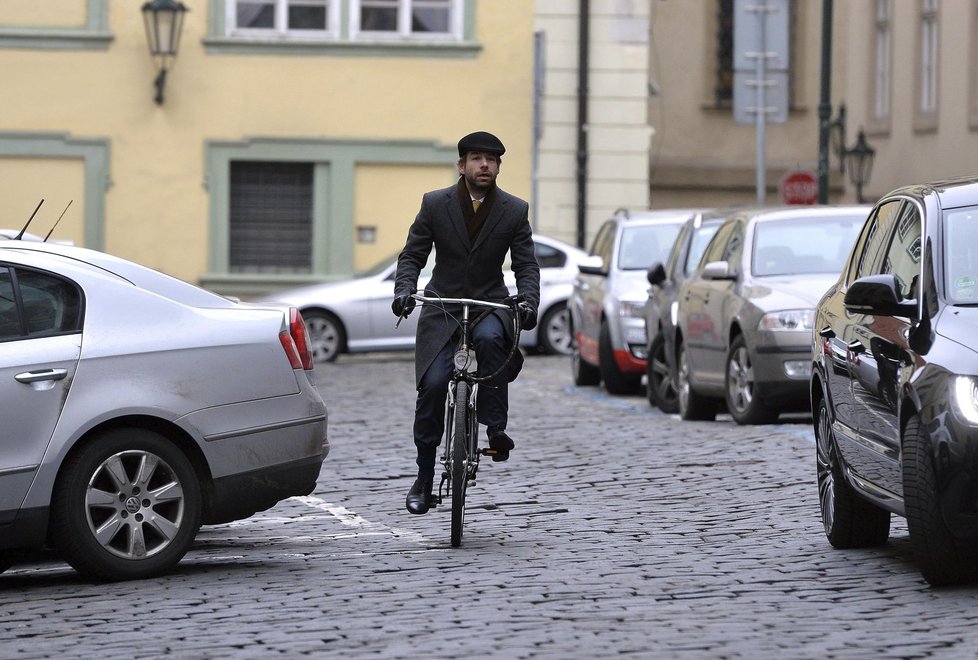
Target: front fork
472,454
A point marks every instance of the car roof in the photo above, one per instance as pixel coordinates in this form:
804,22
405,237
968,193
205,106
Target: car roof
662,216
777,213
140,276
951,193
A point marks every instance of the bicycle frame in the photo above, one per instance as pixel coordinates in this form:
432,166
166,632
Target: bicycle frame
460,458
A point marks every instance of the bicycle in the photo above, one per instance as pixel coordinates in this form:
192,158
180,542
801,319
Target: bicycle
461,452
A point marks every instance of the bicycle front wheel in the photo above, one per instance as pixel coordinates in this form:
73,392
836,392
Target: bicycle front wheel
459,458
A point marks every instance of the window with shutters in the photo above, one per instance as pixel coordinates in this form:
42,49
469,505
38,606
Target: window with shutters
270,217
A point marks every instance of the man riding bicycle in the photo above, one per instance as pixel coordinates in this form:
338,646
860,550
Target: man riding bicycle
472,225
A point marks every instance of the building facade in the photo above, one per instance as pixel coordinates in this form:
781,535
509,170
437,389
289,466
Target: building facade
293,142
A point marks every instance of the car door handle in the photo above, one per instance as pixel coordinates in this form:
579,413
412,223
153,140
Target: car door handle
826,333
44,374
855,346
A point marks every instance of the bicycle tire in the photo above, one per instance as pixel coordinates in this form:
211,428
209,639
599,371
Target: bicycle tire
459,455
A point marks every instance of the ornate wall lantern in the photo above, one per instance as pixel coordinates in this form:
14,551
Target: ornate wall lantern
164,22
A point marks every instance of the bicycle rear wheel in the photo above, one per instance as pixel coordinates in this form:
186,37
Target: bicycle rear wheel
459,457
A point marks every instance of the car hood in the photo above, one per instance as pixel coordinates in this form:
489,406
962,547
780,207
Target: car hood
960,325
790,291
631,285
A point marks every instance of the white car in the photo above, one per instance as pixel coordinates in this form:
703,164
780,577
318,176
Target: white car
354,315
27,236
137,407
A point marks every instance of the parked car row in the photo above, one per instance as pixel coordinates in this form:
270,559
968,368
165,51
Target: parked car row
865,315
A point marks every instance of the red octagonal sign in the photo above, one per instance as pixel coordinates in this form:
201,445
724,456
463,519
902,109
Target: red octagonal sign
799,187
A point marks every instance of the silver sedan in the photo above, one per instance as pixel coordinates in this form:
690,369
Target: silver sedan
354,315
137,407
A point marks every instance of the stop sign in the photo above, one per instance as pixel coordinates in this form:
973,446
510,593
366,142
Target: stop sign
799,187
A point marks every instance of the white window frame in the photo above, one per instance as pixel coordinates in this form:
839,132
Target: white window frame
882,62
281,30
403,32
929,48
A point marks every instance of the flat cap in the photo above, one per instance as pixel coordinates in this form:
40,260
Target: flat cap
480,141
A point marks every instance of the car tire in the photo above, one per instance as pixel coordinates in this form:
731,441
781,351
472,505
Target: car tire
692,406
849,520
661,384
941,558
743,396
615,381
325,333
585,374
554,335
127,505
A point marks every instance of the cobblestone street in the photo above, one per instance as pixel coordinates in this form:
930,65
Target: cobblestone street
613,529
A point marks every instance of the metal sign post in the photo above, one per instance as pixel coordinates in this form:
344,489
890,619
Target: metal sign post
761,71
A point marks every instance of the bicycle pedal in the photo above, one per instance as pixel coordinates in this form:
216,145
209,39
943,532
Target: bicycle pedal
486,451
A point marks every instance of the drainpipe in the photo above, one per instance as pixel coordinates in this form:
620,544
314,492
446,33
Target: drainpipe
582,96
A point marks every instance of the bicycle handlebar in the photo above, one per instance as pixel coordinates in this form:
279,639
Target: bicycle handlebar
462,301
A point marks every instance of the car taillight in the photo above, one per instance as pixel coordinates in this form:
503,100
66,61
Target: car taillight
294,341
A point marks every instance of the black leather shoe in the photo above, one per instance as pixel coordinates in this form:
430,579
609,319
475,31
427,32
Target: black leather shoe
500,443
419,497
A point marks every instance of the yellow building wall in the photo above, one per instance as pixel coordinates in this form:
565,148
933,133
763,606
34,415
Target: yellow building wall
383,192
59,182
47,13
157,200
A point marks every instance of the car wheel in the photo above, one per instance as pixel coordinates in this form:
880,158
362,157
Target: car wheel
942,559
743,400
584,374
325,334
692,406
554,333
849,520
127,505
662,387
615,381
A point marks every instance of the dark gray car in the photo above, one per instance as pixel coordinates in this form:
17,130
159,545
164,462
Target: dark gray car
661,306
745,318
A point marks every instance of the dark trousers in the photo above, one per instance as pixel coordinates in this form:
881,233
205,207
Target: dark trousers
491,348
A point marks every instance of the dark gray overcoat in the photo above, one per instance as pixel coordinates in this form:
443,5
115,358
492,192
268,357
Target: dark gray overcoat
463,269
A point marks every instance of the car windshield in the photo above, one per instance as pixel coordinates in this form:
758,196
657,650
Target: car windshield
643,245
794,246
961,255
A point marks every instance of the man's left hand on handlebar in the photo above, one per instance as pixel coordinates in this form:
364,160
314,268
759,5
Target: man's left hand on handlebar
528,316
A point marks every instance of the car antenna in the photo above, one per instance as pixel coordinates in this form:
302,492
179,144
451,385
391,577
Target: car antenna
48,235
21,234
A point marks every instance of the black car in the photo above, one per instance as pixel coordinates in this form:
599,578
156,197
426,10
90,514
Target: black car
660,325
894,382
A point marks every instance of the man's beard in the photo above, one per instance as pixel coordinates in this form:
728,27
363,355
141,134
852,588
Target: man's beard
474,183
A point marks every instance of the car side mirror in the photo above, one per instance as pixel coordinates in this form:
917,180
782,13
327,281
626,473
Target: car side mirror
592,265
879,295
656,274
717,270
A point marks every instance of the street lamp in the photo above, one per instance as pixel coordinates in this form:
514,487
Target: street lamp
837,136
859,162
164,22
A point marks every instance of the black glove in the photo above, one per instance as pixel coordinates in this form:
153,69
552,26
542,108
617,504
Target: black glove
403,305
528,315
